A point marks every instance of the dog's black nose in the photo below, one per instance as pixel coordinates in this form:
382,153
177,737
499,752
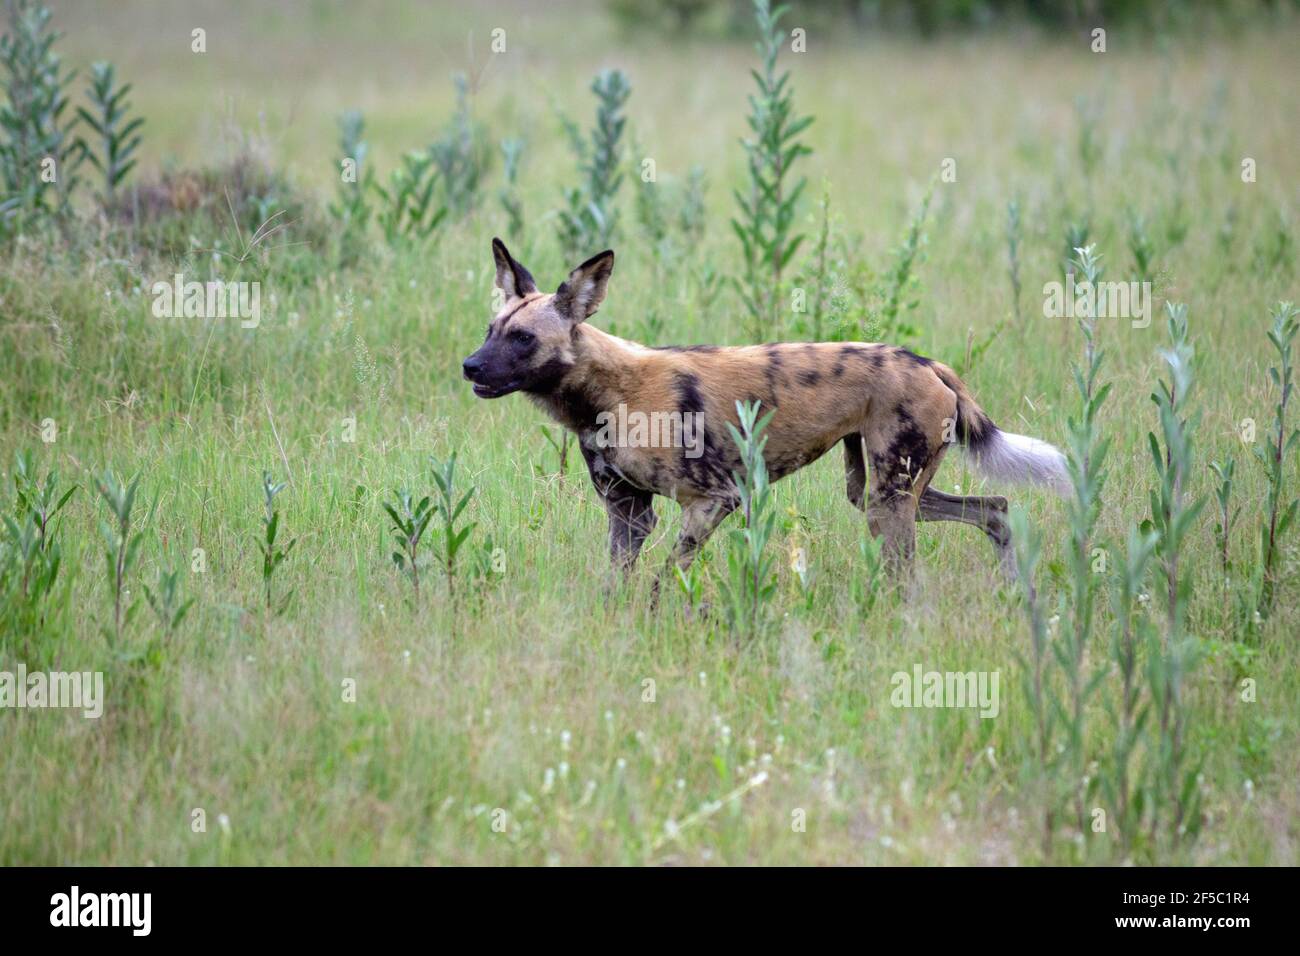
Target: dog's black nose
471,367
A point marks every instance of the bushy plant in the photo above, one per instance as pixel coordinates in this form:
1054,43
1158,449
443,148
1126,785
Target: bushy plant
750,581
121,547
408,211
512,151
765,224
39,151
31,556
351,207
117,133
1281,442
589,219
462,154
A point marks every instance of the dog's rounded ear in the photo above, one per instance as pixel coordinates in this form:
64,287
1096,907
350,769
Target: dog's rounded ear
580,295
512,278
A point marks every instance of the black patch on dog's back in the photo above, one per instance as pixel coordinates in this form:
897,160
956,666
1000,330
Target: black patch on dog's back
689,399
913,358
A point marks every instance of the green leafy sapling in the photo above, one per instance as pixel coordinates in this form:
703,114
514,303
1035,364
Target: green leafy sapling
408,211
118,136
1085,454
750,579
409,523
589,219
1141,247
34,135
1281,442
41,501
765,223
900,285
512,151
167,603
273,555
30,555
462,153
1171,657
351,208
1172,512
1027,541
1076,238
1128,708
122,545
449,509
1228,515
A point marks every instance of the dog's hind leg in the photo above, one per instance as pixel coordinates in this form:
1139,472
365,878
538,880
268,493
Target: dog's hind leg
989,514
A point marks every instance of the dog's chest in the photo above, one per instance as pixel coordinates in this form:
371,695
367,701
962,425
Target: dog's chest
612,464
671,472
663,471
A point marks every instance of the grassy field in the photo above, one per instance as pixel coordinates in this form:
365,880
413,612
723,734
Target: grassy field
527,694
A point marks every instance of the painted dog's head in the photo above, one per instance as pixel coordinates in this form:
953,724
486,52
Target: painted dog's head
530,344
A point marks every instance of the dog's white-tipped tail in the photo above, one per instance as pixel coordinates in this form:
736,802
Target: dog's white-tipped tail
1004,456
1001,455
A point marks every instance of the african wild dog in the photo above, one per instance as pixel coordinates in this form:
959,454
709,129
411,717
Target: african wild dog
881,402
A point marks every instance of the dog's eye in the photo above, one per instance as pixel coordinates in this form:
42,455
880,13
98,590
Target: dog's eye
522,337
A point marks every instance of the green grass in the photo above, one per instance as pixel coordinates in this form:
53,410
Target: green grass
465,708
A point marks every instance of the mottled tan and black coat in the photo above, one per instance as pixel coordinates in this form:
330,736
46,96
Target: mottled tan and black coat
890,409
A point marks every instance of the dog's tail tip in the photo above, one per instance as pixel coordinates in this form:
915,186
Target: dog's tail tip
1020,459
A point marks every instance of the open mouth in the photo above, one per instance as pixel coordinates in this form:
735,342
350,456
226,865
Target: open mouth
494,391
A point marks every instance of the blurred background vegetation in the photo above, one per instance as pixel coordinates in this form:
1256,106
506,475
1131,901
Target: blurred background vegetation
931,17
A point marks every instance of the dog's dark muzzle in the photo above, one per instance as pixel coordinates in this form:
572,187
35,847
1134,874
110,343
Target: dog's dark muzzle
484,387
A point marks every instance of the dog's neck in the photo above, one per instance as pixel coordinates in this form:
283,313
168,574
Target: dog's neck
602,376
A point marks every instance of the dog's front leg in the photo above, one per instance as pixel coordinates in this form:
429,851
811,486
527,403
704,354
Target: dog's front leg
630,509
631,519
